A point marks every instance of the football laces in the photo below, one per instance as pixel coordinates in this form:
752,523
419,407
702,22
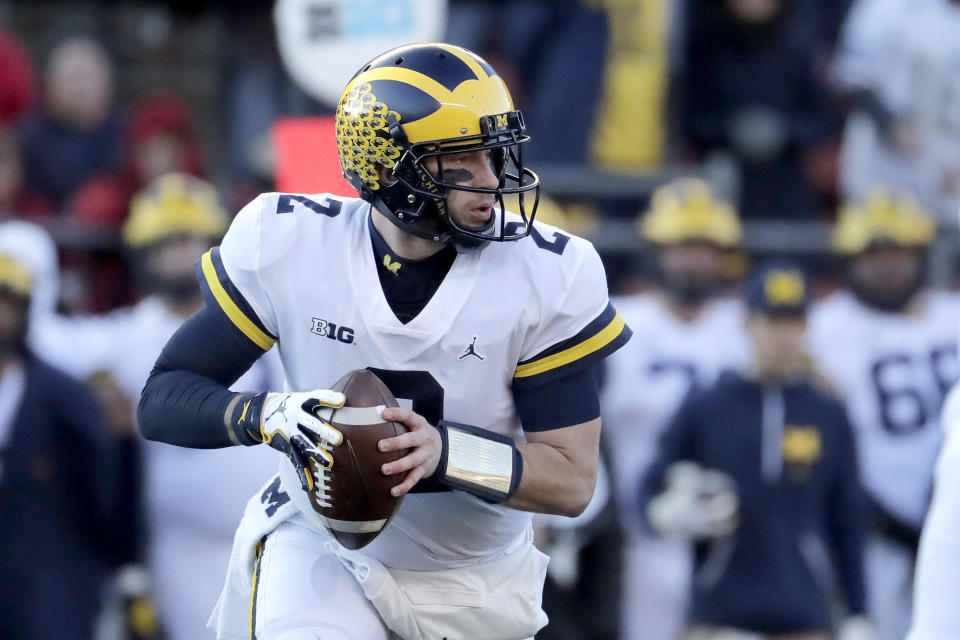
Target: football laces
321,478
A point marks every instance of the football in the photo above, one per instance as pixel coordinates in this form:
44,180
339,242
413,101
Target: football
353,498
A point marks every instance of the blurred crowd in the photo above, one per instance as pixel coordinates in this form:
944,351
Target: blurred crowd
803,514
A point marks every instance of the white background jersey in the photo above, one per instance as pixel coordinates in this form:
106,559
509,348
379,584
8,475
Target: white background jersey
647,379
305,266
908,53
194,498
892,371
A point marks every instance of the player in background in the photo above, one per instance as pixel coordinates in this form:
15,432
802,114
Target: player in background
489,325
887,342
68,512
192,501
899,66
759,472
686,333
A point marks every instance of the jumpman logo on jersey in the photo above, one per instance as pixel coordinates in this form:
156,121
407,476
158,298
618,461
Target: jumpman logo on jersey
471,350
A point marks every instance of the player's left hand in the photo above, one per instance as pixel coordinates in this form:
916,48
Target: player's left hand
424,443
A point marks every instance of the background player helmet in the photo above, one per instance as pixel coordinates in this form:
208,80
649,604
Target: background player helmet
429,100
694,236
174,204
172,222
884,239
884,218
686,211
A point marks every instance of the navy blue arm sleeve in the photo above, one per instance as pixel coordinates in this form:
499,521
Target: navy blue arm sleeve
186,395
572,399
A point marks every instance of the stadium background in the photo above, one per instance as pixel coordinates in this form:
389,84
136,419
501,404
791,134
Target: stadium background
614,92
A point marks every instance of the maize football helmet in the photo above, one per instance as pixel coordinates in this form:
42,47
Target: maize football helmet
885,239
883,218
424,101
174,204
685,211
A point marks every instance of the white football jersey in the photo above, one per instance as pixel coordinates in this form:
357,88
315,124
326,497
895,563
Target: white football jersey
301,270
645,382
893,371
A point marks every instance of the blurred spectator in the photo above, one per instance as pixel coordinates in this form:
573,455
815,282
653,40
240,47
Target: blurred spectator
759,471
751,93
543,49
16,80
888,343
193,499
67,488
75,133
685,335
898,68
15,200
159,139
630,128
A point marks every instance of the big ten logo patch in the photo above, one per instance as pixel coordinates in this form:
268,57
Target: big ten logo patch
332,331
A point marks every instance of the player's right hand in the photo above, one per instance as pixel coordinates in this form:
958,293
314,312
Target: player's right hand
290,425
697,503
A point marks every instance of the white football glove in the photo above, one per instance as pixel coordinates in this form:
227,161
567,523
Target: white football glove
697,503
287,421
856,628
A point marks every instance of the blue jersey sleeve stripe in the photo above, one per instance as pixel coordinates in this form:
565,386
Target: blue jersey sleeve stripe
234,293
594,357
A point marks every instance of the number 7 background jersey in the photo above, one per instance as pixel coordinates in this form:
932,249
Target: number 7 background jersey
892,371
300,270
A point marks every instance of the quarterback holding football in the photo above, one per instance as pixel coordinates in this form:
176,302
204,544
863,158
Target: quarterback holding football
485,326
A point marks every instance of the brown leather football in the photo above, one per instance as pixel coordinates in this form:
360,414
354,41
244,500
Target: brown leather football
353,497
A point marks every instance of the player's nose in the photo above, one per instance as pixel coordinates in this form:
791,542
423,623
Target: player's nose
484,177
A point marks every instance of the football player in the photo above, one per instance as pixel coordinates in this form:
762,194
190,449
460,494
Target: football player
488,325
687,333
887,342
171,223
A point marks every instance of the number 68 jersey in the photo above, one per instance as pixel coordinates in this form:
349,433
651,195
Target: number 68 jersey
893,371
299,271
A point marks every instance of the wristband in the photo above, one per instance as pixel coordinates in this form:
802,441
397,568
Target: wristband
479,461
243,424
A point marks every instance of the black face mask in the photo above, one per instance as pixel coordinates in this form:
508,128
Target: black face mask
687,290
177,290
885,298
689,293
891,301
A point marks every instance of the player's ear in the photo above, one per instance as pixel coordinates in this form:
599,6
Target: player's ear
385,176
